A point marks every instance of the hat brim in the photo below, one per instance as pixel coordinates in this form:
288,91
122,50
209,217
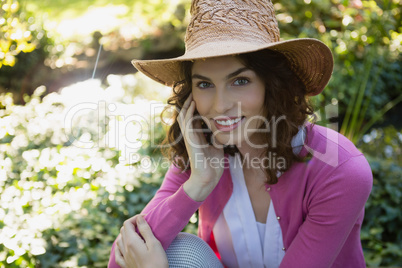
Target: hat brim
310,59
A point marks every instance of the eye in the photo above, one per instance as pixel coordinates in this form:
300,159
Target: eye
241,81
203,84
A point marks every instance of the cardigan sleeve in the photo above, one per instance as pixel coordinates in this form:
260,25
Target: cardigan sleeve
169,210
334,207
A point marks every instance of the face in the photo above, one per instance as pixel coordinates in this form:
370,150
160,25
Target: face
230,98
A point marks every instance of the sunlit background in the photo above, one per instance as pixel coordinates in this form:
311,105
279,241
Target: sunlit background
79,127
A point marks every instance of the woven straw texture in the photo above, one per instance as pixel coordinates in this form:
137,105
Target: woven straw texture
230,27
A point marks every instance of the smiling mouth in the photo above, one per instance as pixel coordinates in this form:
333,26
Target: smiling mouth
227,124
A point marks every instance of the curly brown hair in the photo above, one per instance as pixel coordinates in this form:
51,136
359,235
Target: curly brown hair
285,96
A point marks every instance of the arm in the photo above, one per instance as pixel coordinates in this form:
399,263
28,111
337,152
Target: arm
333,210
171,208
169,211
174,203
181,194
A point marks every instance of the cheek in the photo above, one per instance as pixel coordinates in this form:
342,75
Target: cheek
254,103
260,98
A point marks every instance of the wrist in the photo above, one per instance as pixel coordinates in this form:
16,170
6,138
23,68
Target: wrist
196,190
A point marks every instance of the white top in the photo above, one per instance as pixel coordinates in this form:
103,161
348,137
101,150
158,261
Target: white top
241,240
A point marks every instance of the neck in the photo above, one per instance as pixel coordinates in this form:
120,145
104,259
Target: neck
252,150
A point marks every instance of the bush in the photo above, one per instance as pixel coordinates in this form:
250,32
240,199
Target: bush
63,200
24,46
381,233
365,38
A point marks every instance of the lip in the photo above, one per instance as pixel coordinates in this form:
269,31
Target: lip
225,128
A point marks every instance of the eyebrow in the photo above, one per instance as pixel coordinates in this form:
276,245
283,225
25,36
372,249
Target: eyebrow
239,71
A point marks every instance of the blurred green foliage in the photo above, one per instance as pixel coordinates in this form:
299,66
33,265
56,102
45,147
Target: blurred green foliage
16,36
67,35
381,233
24,47
63,199
156,10
366,40
62,202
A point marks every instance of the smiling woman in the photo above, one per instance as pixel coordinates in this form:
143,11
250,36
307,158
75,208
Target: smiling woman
241,99
228,97
272,91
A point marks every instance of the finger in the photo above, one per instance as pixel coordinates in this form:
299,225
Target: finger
133,219
146,232
120,261
132,239
120,249
188,101
197,122
190,111
119,258
183,112
120,243
188,119
121,238
196,133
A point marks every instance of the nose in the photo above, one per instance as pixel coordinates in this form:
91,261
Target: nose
222,101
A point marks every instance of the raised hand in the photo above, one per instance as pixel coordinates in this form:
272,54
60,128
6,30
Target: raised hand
206,161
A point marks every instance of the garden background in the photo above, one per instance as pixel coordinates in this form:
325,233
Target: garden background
77,143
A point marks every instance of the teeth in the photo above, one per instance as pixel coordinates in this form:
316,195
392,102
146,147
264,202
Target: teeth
228,122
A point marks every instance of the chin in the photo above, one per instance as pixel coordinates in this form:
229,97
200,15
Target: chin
229,140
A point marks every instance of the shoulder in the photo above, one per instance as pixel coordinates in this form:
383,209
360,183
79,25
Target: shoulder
329,145
336,160
336,174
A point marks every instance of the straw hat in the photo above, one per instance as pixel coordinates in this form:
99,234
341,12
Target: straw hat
230,27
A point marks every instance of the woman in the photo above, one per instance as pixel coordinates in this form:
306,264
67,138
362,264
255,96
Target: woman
271,189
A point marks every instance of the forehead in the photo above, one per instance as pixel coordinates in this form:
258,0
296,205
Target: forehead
225,64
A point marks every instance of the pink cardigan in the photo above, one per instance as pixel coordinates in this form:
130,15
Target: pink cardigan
319,204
